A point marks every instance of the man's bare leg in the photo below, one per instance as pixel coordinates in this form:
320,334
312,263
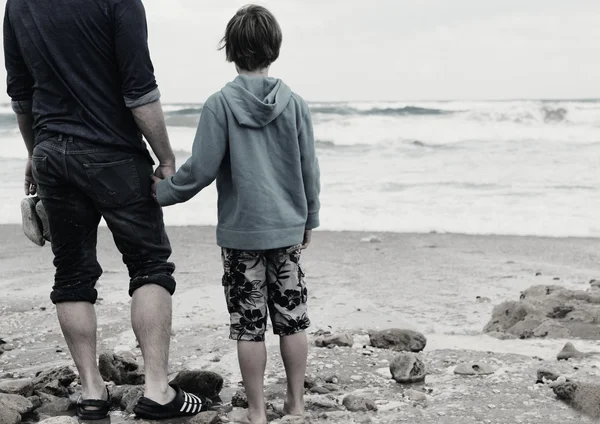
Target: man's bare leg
151,314
78,324
294,352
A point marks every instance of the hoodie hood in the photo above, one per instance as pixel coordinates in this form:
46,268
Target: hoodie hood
256,101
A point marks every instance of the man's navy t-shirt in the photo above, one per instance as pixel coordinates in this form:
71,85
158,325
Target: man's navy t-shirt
79,66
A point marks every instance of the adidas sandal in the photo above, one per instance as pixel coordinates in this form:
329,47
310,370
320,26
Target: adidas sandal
93,409
184,405
32,225
41,213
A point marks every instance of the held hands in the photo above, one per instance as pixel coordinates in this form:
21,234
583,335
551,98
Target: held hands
30,185
162,171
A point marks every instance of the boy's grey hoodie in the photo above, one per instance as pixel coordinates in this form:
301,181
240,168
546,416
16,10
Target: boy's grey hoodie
256,138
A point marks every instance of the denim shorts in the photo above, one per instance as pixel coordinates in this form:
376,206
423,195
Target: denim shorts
262,283
79,183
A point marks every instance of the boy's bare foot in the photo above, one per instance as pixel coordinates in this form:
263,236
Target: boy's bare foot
295,409
243,416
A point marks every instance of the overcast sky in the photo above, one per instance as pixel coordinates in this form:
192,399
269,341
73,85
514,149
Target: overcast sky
392,49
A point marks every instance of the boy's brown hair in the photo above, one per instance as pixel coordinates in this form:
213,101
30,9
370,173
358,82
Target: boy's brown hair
252,39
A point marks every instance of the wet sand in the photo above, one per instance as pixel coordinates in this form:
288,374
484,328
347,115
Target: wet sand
425,282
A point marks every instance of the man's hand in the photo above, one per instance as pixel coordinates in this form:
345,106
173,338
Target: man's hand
307,238
30,185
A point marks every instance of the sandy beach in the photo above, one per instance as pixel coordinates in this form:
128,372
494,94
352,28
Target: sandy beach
357,282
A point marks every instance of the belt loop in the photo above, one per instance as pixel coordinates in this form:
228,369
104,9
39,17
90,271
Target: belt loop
60,138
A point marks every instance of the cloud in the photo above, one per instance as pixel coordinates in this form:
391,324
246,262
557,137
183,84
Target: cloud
390,49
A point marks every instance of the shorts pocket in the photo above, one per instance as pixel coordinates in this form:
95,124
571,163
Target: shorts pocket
114,184
39,165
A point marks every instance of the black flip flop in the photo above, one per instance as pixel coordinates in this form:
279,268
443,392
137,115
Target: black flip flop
184,405
100,410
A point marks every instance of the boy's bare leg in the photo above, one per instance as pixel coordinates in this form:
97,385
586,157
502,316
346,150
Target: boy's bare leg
151,308
252,357
294,352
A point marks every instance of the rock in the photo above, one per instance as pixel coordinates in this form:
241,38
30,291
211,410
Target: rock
407,368
416,396
583,397
239,399
54,388
545,375
474,369
569,352
60,420
595,284
309,382
398,340
342,340
333,379
130,398
36,401
289,419
64,375
202,383
319,390
57,406
122,369
358,404
371,239
23,387
209,417
332,387
17,403
321,403
9,416
550,312
481,299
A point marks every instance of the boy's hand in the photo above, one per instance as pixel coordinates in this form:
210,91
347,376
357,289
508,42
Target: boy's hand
165,171
307,238
155,181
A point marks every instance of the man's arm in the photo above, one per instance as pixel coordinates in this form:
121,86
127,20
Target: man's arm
151,122
20,89
138,85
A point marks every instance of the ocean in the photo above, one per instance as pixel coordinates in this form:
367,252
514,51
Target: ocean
522,167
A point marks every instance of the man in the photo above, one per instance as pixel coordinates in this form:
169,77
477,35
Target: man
83,88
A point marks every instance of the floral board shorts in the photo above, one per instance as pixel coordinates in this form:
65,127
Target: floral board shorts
261,283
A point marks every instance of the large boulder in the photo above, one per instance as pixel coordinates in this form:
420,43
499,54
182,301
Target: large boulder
202,383
583,397
120,368
548,311
398,340
407,368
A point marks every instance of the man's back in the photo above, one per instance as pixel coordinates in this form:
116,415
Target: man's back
82,64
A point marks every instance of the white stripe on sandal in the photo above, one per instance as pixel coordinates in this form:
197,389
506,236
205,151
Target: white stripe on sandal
192,404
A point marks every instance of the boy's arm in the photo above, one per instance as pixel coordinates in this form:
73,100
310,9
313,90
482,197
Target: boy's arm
200,170
310,171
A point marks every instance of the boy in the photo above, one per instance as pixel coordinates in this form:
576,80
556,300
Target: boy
255,138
